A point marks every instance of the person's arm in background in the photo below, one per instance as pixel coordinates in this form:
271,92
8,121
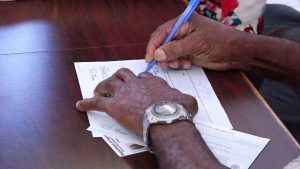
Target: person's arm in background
207,43
125,97
273,57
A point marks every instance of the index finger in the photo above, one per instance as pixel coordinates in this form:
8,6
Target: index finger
94,103
124,74
157,38
108,86
160,34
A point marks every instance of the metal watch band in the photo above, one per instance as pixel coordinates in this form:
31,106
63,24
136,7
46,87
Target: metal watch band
150,119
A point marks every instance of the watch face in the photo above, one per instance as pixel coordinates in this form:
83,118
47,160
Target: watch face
165,109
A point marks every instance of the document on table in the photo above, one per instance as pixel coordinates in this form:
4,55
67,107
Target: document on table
231,148
193,82
121,147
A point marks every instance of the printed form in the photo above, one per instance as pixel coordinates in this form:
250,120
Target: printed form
232,148
193,82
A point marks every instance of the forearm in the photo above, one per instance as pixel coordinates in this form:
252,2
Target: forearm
180,145
276,58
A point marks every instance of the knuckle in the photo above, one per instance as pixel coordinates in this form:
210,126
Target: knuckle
102,85
96,92
176,91
123,70
159,28
153,34
192,104
123,74
98,88
145,74
160,80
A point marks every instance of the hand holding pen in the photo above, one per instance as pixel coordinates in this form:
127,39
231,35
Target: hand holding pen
181,20
201,41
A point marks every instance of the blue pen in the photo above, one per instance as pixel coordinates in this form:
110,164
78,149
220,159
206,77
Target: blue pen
182,19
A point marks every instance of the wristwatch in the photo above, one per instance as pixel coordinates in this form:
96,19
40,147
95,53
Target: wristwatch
164,112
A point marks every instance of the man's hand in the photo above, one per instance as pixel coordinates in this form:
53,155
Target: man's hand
201,41
126,96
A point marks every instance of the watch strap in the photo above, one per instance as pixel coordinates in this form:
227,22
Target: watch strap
147,121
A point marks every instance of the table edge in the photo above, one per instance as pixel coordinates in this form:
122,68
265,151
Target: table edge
264,102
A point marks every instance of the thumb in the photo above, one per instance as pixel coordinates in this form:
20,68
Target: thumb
94,103
174,50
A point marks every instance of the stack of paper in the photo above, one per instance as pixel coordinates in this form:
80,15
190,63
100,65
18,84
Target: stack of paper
232,148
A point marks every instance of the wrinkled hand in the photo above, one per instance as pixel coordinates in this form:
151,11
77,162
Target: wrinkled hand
201,41
125,97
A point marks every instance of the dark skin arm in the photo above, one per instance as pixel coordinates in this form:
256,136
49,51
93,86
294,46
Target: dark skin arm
125,97
273,57
210,44
186,148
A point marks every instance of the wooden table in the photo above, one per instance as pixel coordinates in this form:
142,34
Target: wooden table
39,43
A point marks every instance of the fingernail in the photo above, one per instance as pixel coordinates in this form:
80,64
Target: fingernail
77,104
148,58
186,66
172,65
160,55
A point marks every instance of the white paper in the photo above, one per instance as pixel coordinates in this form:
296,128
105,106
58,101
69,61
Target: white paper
193,82
232,148
121,147
112,128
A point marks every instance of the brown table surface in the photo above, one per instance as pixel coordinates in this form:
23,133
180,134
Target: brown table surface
39,43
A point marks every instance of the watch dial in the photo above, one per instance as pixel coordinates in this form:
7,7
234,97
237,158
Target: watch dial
165,109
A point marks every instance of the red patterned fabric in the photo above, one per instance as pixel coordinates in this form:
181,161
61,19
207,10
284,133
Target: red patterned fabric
245,15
